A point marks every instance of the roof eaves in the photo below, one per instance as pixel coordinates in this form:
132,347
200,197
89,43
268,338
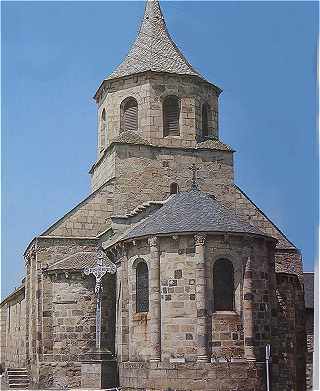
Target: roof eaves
13,294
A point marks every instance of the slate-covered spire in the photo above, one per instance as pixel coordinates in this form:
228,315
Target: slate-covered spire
153,49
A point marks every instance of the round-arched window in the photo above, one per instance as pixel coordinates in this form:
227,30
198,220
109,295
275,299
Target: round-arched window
223,285
129,115
171,114
142,287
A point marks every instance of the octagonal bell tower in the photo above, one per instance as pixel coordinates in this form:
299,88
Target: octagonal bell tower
157,100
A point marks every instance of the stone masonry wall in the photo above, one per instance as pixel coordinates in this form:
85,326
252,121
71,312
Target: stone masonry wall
310,335
13,330
225,344
178,299
72,333
289,340
233,376
150,89
104,170
139,327
42,253
89,218
52,250
136,87
139,168
3,334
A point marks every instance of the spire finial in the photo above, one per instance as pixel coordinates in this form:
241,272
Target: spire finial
194,170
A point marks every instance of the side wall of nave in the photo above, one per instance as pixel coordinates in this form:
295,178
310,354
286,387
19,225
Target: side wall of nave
13,330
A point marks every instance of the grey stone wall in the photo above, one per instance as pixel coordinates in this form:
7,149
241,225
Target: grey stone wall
69,327
310,336
125,176
138,167
243,376
39,318
13,330
150,89
289,347
90,217
144,173
139,323
179,312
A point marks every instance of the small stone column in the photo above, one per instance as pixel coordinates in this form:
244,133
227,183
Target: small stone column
124,306
202,338
248,308
155,299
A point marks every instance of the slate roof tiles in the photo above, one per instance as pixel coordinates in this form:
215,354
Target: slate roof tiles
192,211
153,49
75,261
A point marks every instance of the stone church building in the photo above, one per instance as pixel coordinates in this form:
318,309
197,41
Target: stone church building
204,280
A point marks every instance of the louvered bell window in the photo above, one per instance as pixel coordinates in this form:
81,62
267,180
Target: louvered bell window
205,128
171,114
130,115
223,285
142,287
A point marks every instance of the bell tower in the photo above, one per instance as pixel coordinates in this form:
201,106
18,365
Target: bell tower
157,100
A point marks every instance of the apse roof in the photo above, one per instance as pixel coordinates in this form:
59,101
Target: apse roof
154,49
192,211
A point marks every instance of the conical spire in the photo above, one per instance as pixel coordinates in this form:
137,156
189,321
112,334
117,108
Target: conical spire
153,49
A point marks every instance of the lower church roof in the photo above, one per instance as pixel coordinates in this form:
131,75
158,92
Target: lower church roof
77,261
192,211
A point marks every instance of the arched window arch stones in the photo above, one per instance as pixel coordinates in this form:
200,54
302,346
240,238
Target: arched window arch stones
129,115
171,116
142,287
223,285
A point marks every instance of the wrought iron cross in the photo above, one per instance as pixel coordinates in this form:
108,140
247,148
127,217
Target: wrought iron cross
194,170
103,266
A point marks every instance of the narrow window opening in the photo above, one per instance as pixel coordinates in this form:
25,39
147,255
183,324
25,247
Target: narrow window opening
174,188
103,125
171,114
142,288
223,285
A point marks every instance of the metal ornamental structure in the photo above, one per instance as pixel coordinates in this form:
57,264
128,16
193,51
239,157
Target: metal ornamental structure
102,267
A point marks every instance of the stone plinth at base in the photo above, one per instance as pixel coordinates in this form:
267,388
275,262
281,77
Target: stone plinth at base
98,370
228,376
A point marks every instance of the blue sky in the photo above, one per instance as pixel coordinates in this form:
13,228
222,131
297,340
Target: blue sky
55,54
